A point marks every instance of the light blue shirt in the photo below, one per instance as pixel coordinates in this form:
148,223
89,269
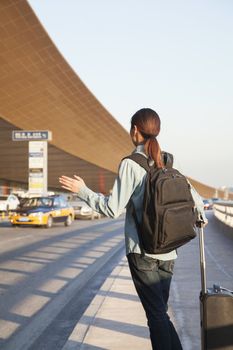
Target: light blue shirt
128,188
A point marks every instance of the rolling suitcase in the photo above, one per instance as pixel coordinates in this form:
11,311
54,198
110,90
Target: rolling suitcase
216,309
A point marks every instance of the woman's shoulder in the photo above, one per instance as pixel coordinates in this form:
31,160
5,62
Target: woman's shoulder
131,168
137,159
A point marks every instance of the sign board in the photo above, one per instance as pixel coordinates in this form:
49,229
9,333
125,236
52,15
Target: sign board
37,158
31,135
36,154
37,163
36,183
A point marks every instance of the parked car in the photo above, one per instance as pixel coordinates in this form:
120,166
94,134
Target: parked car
43,211
82,209
208,204
9,202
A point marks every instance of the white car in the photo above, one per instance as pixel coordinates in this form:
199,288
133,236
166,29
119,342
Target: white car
82,209
9,202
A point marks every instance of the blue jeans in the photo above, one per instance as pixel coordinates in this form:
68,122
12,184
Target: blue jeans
152,279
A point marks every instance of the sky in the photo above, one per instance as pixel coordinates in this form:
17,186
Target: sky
174,56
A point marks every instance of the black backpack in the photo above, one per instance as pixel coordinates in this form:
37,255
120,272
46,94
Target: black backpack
169,217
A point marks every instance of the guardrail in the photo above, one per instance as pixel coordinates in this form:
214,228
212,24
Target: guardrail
224,212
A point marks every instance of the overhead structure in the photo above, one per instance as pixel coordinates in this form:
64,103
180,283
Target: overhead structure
40,91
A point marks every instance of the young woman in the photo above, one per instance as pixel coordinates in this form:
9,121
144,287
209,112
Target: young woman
151,273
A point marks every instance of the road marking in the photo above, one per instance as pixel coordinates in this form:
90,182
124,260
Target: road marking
16,239
217,263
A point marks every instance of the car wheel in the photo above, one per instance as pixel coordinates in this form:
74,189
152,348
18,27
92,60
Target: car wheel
68,221
49,222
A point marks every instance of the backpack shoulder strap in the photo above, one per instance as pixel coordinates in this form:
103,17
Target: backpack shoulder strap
140,159
143,161
167,159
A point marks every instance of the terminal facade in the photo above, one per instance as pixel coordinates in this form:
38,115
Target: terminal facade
40,91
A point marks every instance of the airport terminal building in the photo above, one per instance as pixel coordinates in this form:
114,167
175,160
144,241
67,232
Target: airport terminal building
40,91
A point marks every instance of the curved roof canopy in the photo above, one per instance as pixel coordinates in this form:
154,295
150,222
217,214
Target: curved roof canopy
40,91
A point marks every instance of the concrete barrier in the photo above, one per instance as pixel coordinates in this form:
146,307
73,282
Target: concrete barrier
223,211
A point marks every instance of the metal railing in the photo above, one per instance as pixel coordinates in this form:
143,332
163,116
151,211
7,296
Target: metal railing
224,212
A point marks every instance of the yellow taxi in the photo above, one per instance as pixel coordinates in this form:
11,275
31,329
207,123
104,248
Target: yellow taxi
43,211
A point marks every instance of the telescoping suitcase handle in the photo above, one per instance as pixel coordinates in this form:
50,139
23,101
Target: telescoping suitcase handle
216,287
200,226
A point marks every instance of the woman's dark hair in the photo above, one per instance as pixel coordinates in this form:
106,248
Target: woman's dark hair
147,122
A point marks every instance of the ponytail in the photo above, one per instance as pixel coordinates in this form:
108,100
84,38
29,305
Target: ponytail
148,124
153,151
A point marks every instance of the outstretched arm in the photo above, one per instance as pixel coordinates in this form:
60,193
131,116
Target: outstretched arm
112,205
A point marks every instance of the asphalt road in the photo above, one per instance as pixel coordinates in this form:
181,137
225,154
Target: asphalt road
46,278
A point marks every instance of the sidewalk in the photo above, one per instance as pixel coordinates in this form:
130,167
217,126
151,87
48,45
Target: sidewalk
115,320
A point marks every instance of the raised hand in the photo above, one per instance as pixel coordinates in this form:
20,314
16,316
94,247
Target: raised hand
72,184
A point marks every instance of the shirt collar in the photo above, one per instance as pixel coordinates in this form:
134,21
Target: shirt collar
140,149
